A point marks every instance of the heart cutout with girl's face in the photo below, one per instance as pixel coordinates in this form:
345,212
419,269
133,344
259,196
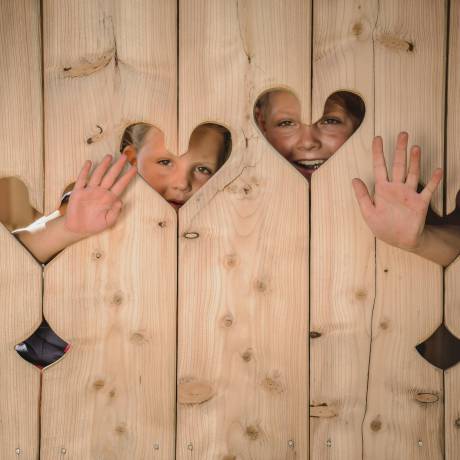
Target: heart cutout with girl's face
176,178
277,113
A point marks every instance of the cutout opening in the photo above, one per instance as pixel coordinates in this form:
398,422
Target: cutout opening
176,178
43,347
277,113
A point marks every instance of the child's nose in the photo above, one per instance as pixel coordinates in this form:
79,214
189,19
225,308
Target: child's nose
309,138
180,180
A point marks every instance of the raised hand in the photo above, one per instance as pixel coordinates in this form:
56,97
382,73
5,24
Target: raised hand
397,213
95,206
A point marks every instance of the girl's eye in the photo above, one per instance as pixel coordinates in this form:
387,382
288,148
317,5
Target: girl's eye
330,121
285,123
204,170
164,162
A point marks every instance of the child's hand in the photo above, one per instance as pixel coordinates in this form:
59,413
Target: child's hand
96,206
397,213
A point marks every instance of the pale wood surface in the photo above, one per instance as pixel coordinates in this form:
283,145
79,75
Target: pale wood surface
21,95
409,38
116,62
452,375
20,291
452,273
453,101
342,248
113,297
20,276
243,283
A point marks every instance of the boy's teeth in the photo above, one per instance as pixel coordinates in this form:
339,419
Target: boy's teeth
314,164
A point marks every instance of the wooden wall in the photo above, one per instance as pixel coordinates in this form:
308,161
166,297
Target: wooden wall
190,334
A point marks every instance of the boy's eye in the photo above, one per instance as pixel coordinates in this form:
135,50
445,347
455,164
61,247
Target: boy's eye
204,170
164,162
285,123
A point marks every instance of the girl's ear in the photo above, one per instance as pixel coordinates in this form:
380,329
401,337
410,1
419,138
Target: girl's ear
131,153
260,120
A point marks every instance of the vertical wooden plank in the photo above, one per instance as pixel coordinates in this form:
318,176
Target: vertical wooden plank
113,296
452,273
451,376
342,248
453,117
20,276
409,38
243,283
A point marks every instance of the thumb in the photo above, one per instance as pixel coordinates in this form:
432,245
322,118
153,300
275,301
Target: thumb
113,213
362,196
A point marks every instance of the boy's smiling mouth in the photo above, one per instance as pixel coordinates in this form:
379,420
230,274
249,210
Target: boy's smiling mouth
309,164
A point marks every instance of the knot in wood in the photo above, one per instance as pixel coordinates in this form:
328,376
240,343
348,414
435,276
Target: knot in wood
314,334
427,397
247,355
376,425
252,432
191,235
195,392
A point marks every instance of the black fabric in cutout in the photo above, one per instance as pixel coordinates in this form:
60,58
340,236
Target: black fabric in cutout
43,347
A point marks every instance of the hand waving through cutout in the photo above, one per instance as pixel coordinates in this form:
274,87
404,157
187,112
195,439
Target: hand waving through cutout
397,212
96,206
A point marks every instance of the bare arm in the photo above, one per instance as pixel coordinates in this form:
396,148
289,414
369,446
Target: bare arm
92,208
396,214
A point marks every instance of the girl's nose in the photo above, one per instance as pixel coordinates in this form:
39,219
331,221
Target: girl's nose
180,179
309,138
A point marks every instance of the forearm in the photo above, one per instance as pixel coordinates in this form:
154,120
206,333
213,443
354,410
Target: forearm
46,242
440,244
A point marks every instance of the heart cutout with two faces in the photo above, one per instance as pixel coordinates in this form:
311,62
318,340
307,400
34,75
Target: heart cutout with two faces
277,113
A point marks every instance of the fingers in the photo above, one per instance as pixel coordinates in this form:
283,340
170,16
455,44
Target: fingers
432,185
99,172
380,167
113,173
362,195
413,175
81,180
399,160
123,181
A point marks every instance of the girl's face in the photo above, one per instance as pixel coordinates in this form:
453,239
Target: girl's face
307,147
177,178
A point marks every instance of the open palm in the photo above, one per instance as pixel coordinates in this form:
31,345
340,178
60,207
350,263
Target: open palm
397,213
96,206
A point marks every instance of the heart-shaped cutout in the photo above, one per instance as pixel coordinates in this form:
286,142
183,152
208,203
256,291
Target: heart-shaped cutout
277,113
176,178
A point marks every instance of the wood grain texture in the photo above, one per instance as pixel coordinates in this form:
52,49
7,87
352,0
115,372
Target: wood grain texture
113,296
453,100
243,283
452,273
116,63
409,38
342,248
452,375
21,314
21,94
20,275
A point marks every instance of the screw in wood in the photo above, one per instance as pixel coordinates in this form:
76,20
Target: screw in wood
18,451
63,450
291,444
156,446
329,443
420,443
190,446
457,423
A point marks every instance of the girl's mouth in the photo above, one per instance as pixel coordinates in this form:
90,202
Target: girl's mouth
175,204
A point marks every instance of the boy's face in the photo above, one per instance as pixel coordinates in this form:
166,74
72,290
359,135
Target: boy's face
307,147
174,177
